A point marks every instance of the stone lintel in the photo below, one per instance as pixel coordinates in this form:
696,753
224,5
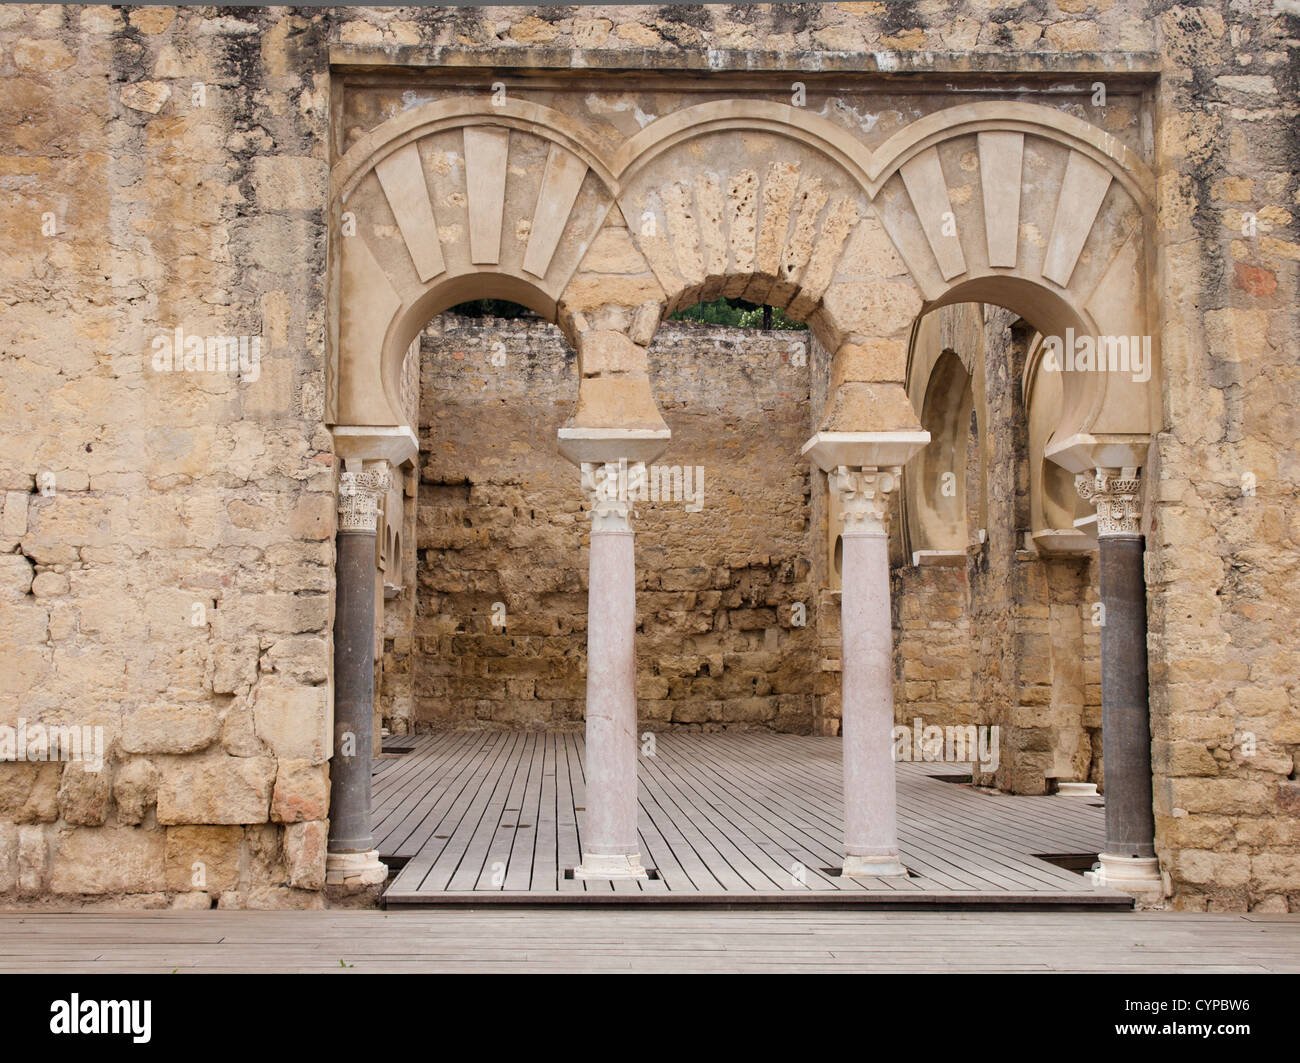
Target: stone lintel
1124,68
1084,452
1068,542
357,443
830,450
600,446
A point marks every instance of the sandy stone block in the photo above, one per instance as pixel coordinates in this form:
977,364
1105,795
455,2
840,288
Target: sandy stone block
41,56
591,32
301,792
610,354
49,585
1276,871
216,788
312,517
870,360
84,796
292,719
203,858
15,576
875,309
135,790
638,34
152,20
1221,869
170,729
1080,36
616,402
13,518
614,252
33,860
304,850
304,657
532,30
289,183
107,860
8,857
147,97
29,792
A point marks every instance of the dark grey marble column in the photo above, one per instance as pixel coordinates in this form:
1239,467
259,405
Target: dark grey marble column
1128,862
351,858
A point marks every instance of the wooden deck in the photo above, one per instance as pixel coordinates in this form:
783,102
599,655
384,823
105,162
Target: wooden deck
644,940
496,817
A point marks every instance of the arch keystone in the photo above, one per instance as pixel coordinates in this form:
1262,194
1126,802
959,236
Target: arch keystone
486,152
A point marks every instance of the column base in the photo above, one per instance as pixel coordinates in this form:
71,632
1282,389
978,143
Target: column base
1136,875
1076,789
620,865
355,869
873,867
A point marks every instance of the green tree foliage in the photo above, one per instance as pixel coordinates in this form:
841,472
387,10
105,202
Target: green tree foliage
732,313
491,308
736,313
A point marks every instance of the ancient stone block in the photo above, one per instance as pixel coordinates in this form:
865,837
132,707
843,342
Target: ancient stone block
215,788
170,729
98,860
203,858
301,792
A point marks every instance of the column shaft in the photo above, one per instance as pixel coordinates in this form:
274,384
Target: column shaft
351,858
354,693
870,800
1126,725
611,829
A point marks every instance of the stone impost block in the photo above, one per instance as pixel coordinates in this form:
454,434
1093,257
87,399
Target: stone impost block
609,353
869,361
857,406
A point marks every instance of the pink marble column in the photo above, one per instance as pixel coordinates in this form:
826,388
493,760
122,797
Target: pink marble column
610,845
867,675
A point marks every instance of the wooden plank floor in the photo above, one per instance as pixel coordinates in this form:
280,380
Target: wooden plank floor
642,940
497,817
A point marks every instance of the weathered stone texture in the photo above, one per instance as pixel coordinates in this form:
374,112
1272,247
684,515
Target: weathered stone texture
166,536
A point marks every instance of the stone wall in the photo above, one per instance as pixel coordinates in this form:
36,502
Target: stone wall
724,597
167,168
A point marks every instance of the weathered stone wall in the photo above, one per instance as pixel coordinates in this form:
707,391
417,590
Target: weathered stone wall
138,204
1223,546
167,540
721,567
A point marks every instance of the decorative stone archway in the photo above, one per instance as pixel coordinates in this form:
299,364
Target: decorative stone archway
472,196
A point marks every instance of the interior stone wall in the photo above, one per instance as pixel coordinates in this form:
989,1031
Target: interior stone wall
725,602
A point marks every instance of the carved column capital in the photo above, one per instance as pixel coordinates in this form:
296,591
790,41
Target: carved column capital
359,495
864,496
1117,494
609,489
